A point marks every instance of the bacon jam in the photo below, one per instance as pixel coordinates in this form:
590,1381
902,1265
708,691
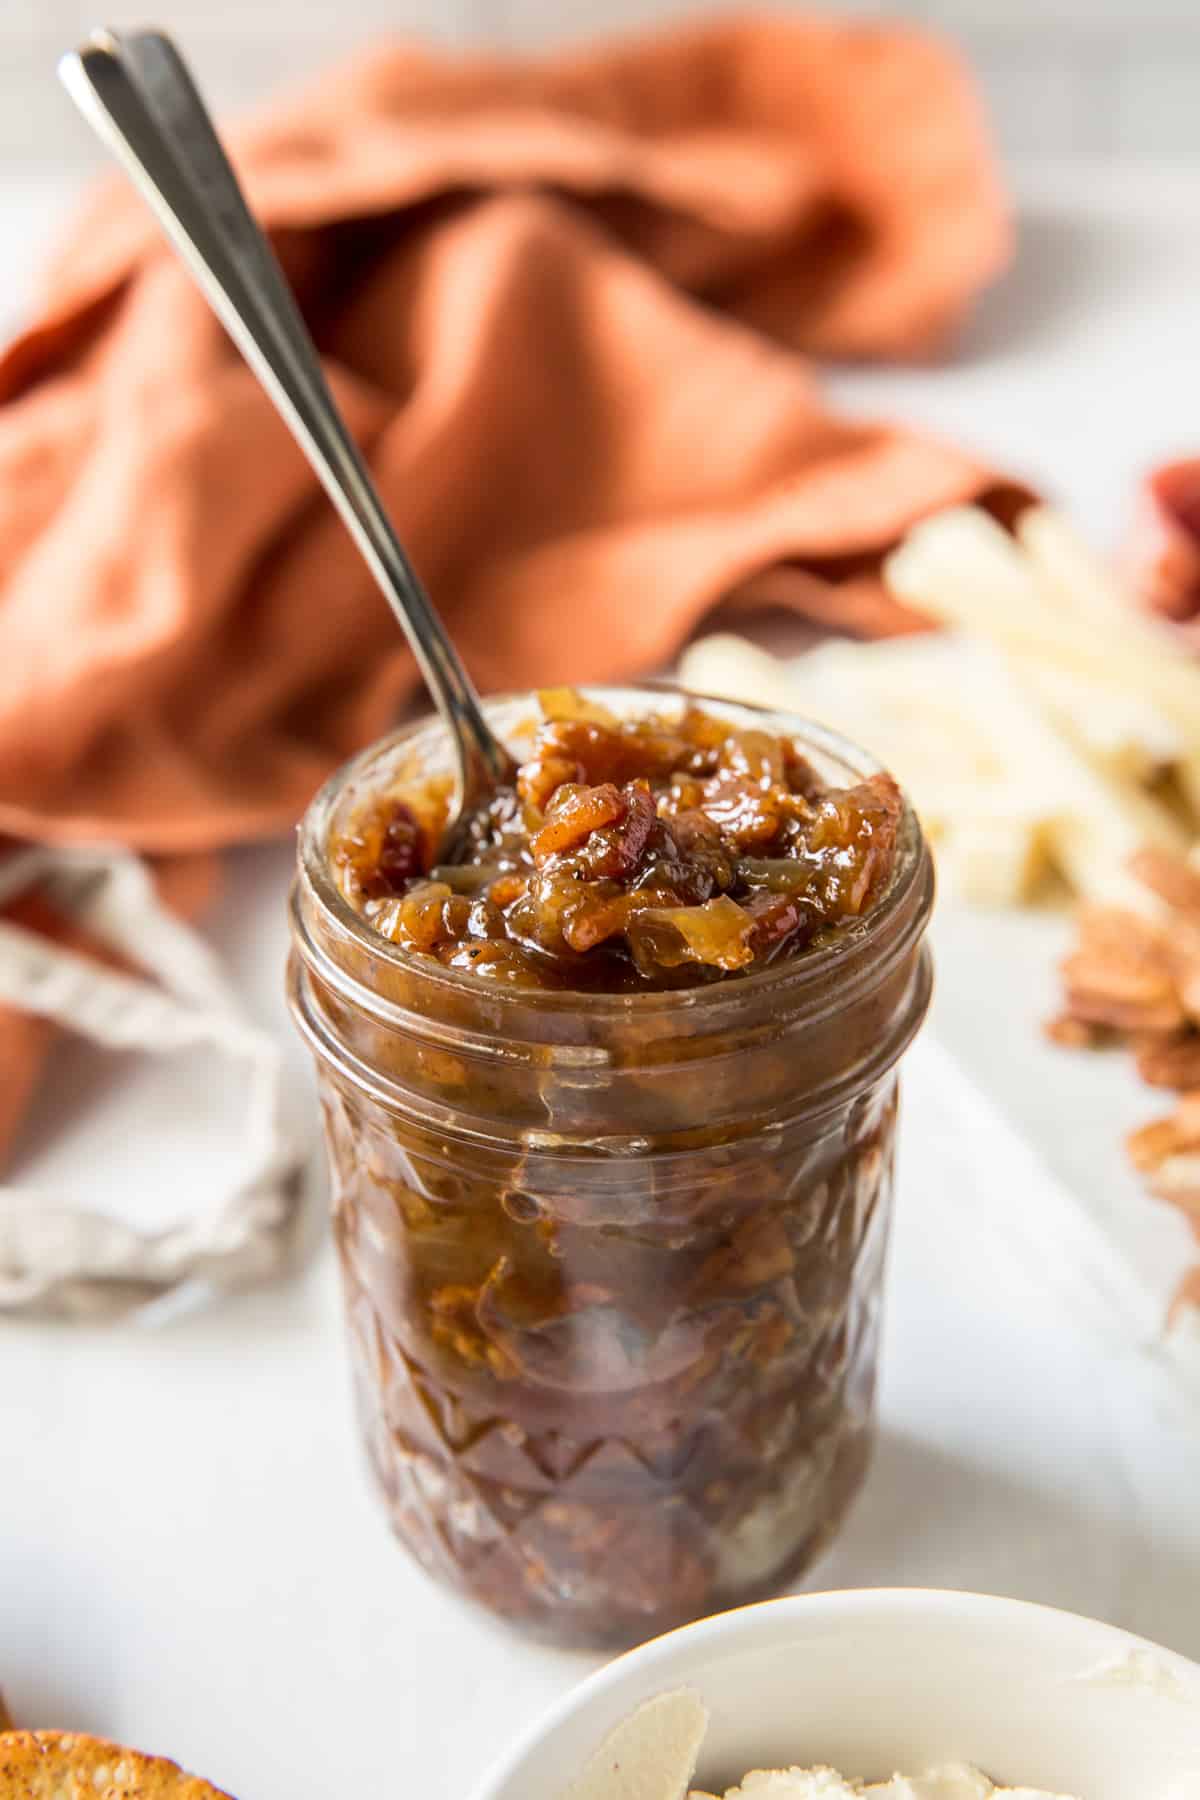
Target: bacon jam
610,1103
630,854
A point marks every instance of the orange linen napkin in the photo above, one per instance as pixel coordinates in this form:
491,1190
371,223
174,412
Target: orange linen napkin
567,303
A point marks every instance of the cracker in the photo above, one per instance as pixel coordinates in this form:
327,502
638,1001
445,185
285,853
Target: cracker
62,1765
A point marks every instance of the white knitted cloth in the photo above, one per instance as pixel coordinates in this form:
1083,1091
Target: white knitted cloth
68,1255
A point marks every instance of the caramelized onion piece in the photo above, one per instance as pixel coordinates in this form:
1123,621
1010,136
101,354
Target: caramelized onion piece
653,852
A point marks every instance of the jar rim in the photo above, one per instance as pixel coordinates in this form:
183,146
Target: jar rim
793,975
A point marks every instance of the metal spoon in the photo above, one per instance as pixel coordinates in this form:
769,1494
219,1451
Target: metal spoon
137,93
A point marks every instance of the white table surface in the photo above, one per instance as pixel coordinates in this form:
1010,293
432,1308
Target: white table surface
189,1556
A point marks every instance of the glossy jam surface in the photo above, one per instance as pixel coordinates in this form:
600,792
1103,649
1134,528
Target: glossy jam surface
629,855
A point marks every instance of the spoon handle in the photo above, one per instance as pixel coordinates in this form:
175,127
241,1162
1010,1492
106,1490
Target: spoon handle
138,94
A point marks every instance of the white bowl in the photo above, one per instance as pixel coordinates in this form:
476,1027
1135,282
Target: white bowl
876,1681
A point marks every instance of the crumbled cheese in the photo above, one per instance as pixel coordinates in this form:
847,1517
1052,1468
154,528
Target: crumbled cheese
954,1781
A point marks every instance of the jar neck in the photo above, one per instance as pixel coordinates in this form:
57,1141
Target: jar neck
788,1041
416,995
789,1044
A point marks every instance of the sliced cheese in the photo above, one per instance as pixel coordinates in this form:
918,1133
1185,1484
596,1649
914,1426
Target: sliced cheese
963,569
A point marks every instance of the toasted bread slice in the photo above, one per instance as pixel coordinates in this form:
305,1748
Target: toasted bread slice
61,1765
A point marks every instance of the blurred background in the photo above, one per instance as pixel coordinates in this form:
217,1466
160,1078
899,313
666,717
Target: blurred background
1062,77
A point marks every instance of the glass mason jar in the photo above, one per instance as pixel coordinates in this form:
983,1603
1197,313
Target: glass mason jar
612,1263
